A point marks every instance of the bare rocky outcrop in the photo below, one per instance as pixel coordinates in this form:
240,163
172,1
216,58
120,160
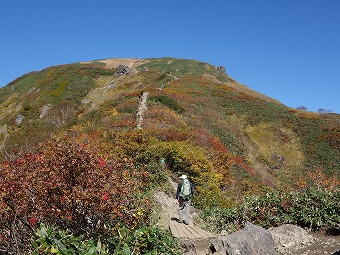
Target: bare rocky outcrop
44,110
250,240
290,236
122,70
132,63
294,240
165,200
141,108
221,69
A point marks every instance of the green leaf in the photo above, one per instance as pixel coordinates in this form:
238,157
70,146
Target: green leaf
60,245
126,250
99,246
91,251
54,249
43,232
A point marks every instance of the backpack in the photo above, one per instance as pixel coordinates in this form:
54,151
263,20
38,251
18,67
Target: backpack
185,190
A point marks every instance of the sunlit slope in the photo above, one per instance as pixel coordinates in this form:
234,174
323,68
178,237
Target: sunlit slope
188,100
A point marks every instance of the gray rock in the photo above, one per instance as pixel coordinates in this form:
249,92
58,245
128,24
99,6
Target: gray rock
252,240
121,70
290,236
221,69
44,110
86,101
19,119
3,129
165,201
188,247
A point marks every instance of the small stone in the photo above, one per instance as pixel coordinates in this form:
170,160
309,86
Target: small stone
19,119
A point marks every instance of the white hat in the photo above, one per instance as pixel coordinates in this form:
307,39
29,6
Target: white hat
183,176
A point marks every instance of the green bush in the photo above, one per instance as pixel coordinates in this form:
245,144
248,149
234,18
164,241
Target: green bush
144,240
216,219
52,240
316,208
311,208
167,101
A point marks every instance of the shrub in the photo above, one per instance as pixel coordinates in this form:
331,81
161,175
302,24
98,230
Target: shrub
61,114
311,208
184,157
167,101
68,185
216,219
144,240
316,208
52,240
94,117
22,138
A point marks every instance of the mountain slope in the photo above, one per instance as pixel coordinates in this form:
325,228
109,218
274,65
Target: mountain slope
257,140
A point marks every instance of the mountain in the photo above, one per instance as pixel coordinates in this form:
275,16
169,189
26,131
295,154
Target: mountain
250,138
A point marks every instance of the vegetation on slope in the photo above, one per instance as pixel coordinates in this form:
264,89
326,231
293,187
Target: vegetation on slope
231,143
213,114
180,67
92,195
314,205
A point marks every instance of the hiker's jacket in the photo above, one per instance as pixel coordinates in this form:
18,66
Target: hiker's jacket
179,187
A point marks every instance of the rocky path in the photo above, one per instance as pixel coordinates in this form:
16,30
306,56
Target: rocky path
141,108
172,76
320,245
98,95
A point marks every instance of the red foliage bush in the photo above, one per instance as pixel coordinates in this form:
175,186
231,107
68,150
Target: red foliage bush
206,140
68,185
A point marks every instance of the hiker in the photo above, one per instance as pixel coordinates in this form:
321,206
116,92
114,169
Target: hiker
184,193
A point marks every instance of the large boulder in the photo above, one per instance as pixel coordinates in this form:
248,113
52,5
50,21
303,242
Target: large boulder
221,69
288,237
121,70
251,240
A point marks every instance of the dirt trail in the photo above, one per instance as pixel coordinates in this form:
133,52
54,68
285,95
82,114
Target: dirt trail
322,245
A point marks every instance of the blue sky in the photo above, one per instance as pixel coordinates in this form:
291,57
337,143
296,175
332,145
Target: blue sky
286,49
